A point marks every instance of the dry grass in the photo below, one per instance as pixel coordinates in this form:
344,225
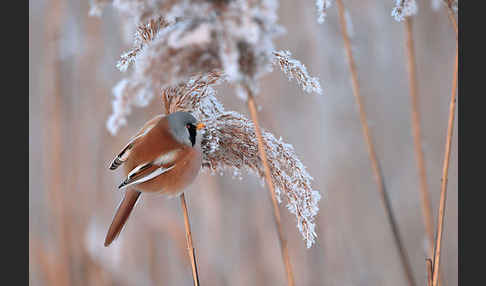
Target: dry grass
428,265
415,118
450,14
445,175
435,270
419,154
371,149
53,118
190,248
268,178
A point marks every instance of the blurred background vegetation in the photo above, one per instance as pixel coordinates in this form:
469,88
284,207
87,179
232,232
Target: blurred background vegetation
73,195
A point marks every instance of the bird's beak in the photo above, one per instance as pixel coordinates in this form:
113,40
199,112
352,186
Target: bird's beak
200,126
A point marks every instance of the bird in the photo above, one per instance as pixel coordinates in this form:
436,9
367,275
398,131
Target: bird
162,157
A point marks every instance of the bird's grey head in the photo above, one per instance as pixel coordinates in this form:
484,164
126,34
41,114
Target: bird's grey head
183,127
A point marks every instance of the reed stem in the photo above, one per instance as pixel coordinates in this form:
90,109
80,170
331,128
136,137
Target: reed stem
271,188
445,174
53,140
452,19
428,265
371,150
426,204
190,249
412,74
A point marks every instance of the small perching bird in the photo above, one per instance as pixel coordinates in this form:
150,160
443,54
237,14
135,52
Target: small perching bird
162,157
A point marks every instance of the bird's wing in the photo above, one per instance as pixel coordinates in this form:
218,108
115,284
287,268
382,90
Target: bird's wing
159,171
125,152
122,213
145,171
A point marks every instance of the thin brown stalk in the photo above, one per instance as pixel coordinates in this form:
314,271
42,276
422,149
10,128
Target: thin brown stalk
53,120
426,204
190,249
153,263
44,260
428,265
371,150
445,173
452,19
271,188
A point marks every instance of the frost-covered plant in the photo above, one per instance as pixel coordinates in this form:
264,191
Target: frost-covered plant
322,6
144,34
229,142
404,8
296,70
177,39
452,4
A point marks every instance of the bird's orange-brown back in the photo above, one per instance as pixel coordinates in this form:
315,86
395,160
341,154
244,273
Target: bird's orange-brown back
157,141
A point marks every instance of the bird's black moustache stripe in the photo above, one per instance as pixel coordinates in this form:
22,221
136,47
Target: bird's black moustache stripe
192,133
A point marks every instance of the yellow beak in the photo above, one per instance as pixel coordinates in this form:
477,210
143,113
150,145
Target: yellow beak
200,126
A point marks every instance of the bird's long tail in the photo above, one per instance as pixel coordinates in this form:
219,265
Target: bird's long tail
122,213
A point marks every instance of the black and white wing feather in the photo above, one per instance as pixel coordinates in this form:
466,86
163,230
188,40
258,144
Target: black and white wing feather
134,179
141,174
125,152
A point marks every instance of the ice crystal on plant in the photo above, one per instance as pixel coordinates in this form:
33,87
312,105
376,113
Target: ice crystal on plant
126,95
404,8
322,6
121,108
296,70
143,35
455,5
229,142
97,6
452,4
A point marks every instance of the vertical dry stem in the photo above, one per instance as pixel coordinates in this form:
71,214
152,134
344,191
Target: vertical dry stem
445,173
428,265
426,204
371,151
190,248
450,13
271,188
53,121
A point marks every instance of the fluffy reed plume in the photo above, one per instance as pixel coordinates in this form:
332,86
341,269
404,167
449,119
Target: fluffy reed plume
145,33
229,142
296,70
404,8
176,40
